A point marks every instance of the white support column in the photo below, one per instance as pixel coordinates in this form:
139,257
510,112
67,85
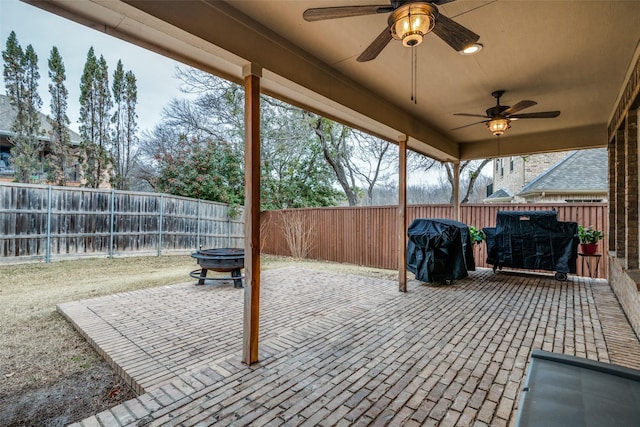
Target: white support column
251,325
402,213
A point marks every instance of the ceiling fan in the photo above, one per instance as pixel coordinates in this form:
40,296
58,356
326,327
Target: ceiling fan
500,116
409,21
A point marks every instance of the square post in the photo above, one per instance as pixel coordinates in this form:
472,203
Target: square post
456,190
631,149
612,193
621,232
402,213
251,318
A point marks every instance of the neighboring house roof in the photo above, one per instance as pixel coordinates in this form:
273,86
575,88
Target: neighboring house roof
501,195
583,171
8,115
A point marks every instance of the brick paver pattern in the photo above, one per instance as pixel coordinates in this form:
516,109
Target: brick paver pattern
339,349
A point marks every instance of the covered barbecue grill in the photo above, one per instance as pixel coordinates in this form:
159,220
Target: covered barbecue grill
222,260
439,250
533,240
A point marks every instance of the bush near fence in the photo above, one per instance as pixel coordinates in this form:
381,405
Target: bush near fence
367,236
46,222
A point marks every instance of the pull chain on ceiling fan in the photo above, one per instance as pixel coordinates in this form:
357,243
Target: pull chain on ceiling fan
414,75
409,21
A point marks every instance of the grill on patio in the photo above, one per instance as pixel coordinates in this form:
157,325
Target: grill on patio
222,260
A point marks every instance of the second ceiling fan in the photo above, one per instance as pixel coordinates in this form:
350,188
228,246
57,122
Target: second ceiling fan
500,116
409,21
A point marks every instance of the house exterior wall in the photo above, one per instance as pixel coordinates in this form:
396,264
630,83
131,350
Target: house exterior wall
508,174
7,117
538,163
7,172
624,203
567,198
513,173
624,285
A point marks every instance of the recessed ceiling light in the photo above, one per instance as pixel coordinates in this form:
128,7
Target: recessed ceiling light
471,49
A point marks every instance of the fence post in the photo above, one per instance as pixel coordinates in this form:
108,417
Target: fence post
160,227
198,226
111,225
47,257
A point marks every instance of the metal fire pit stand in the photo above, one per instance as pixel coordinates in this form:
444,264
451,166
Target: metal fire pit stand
201,275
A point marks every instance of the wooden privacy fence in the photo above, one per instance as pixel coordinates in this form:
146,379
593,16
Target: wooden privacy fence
367,235
45,222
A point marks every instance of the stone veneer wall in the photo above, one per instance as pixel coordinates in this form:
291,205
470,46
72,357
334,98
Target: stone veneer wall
536,164
624,285
523,171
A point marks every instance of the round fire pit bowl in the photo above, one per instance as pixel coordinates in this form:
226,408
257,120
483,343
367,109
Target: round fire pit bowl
222,260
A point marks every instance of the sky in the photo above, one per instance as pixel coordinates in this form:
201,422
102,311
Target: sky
43,30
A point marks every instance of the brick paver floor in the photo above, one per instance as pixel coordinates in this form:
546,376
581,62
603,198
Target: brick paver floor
340,349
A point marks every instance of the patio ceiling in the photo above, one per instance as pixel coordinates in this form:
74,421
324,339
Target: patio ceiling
571,56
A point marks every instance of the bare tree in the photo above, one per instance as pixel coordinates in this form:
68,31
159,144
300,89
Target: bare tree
469,172
472,169
376,161
297,234
333,139
358,160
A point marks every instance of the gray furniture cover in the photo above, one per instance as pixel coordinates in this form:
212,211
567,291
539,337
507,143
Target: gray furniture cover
563,390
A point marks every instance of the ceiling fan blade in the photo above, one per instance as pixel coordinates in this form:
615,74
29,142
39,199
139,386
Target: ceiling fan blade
471,115
454,34
376,46
322,13
471,124
518,107
540,115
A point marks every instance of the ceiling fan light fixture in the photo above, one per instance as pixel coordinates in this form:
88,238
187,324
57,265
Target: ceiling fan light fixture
411,21
498,126
472,49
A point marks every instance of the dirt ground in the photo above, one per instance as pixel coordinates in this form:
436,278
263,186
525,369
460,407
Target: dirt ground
69,399
49,375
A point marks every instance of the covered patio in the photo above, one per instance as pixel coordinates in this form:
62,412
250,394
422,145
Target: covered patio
578,58
448,356
343,349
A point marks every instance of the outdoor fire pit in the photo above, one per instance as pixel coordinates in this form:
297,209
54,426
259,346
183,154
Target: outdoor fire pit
221,260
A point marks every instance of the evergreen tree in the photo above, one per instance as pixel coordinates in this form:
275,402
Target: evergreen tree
13,73
88,148
59,158
131,126
21,80
118,125
95,104
124,119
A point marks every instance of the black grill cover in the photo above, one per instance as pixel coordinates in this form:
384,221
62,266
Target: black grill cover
533,240
439,250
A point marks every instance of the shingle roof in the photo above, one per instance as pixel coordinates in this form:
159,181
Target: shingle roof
582,170
500,194
8,115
